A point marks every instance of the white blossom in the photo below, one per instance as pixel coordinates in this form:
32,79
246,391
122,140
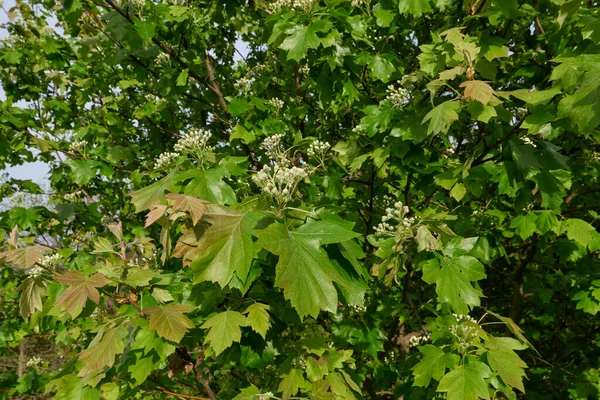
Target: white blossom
138,3
399,97
279,5
399,214
277,103
318,148
415,341
243,85
464,334
264,396
77,145
195,139
304,70
165,159
528,141
49,261
162,59
279,182
35,272
73,196
34,361
306,5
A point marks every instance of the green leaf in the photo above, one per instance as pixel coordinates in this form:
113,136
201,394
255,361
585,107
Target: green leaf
291,383
208,185
510,367
103,351
579,231
169,322
524,225
238,106
299,40
467,382
141,369
258,318
537,96
453,277
153,194
425,240
224,329
162,295
414,7
383,17
145,29
226,247
137,277
304,270
441,117
239,132
546,221
382,67
182,77
80,289
248,393
432,365
82,171
32,290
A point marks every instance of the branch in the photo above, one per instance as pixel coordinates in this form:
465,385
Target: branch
202,379
178,395
498,143
214,86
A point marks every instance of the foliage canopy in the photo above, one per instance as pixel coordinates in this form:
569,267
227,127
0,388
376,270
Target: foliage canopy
301,199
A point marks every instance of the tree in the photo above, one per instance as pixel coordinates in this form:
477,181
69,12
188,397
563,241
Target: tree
302,199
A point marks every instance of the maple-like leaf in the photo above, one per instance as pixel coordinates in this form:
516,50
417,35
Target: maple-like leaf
248,393
226,247
80,289
304,271
432,365
466,382
258,318
453,277
478,90
510,367
414,7
24,257
32,290
191,205
153,194
441,117
224,329
299,40
157,212
169,321
291,383
102,352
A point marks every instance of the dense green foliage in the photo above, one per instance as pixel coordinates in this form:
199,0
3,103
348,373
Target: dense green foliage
301,199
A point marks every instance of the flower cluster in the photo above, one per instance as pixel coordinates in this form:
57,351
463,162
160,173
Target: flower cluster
195,139
398,213
138,3
36,271
304,70
399,97
162,59
306,5
279,182
264,396
318,148
243,85
279,5
464,334
165,159
274,149
34,362
528,141
521,112
357,3
415,341
49,261
150,97
73,196
299,362
77,145
277,103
